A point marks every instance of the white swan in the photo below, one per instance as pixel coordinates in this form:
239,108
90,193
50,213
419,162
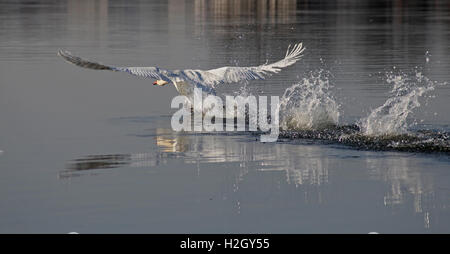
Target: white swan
186,80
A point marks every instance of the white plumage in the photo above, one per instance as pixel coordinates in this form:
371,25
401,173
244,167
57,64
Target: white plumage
186,80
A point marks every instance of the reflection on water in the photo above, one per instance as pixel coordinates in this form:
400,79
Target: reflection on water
301,165
100,161
403,182
223,12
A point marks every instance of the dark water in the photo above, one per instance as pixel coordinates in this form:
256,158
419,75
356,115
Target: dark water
91,151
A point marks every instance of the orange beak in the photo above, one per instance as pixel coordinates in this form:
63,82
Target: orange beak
155,83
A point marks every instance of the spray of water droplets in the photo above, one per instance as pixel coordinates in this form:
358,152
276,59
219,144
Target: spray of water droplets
309,104
392,117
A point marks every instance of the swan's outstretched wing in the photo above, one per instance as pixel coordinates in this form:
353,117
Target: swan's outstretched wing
147,72
236,74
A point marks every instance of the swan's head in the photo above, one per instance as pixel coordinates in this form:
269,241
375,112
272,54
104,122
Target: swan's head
160,82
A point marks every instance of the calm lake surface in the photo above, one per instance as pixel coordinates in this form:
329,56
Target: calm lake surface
94,152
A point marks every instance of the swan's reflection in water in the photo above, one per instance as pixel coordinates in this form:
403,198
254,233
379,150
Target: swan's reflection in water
307,167
406,181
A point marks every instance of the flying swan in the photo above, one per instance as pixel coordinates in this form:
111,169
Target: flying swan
186,80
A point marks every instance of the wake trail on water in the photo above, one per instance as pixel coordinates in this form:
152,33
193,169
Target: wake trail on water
308,110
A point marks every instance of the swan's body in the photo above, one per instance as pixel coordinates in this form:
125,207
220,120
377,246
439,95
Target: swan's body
186,80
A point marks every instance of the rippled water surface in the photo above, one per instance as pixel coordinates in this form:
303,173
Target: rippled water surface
364,144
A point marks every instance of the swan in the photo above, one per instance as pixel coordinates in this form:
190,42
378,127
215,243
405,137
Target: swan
186,80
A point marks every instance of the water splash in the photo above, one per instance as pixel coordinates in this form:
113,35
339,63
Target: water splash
392,117
309,111
309,104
